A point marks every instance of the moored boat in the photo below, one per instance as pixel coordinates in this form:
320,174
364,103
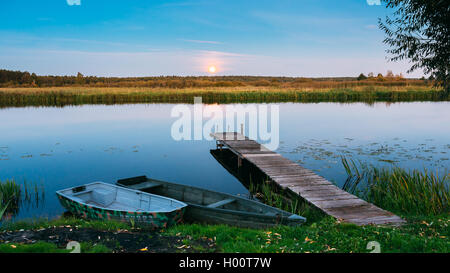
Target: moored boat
213,207
102,201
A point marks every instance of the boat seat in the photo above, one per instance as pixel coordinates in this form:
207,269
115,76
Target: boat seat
221,203
103,197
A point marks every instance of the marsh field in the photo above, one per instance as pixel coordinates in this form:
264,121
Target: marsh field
60,91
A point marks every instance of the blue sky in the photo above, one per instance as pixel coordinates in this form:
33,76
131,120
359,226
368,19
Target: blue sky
313,38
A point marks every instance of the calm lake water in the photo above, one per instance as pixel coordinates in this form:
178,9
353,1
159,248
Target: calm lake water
65,147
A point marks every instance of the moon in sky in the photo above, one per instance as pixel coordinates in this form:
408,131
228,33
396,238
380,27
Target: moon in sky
212,69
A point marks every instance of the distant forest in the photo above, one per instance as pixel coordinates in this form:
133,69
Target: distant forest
25,79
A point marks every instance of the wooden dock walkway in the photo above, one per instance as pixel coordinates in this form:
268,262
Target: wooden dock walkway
311,187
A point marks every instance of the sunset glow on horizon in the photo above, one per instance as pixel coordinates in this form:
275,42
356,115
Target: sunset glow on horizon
212,69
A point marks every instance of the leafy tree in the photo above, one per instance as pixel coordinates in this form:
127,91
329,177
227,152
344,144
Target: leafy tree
361,77
26,78
419,31
80,78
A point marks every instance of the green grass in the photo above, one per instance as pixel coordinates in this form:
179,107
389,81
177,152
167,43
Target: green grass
38,247
60,96
420,235
66,221
398,190
44,247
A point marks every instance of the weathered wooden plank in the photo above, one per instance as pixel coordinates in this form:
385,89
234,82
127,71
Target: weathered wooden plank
303,189
286,169
276,173
364,211
297,186
358,215
241,142
292,176
273,163
244,145
325,204
288,183
331,198
279,159
326,194
366,218
228,136
254,151
381,220
261,155
301,179
310,195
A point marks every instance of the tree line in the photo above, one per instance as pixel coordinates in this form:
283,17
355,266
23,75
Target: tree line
26,79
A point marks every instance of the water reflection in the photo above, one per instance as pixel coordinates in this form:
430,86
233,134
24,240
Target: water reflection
65,147
15,197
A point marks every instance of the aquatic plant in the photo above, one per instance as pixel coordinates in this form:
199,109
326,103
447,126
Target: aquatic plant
2,208
14,195
407,192
270,194
9,196
10,193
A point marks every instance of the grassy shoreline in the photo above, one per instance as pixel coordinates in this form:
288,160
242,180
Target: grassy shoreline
61,96
422,234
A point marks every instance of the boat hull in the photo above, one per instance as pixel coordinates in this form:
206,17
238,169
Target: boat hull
155,220
103,201
206,215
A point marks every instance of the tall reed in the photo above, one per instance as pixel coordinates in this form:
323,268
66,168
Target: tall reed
3,207
271,195
9,196
14,195
10,192
408,192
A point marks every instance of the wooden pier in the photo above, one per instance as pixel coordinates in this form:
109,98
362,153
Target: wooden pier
311,187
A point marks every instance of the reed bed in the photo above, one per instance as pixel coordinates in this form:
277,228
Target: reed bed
406,192
61,96
9,196
14,195
271,195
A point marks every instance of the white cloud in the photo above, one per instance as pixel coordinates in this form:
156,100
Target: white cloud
74,2
374,2
201,42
